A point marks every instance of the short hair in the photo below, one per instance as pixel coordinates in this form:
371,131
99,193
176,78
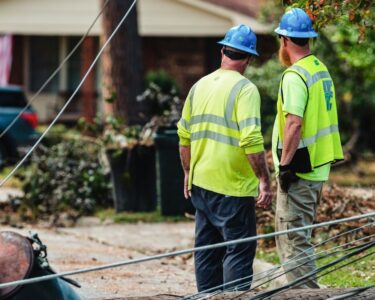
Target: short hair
300,41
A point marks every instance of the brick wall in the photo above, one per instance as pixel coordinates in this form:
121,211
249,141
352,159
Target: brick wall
188,59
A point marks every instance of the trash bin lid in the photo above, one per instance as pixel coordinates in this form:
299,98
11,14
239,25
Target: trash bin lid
16,260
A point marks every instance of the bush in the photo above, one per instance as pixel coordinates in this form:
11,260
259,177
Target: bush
162,97
267,79
65,178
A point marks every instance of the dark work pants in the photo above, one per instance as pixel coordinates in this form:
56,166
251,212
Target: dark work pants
222,218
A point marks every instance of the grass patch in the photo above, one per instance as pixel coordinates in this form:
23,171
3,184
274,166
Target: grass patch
136,217
359,274
360,174
268,255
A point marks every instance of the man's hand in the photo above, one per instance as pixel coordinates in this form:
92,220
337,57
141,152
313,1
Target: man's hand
259,165
187,192
265,195
286,178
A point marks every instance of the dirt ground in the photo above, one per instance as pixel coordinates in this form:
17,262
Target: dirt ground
91,244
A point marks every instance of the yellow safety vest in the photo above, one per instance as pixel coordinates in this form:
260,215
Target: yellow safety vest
221,123
320,139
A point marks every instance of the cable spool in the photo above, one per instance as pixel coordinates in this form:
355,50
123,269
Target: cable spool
16,261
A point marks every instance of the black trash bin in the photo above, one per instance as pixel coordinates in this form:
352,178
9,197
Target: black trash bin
133,176
170,176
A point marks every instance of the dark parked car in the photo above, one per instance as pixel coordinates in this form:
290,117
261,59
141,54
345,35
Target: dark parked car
22,135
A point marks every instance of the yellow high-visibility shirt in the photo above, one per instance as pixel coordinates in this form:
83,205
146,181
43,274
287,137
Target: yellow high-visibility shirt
221,122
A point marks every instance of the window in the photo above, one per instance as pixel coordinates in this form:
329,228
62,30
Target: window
44,59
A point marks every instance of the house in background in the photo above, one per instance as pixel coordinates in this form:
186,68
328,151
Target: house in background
178,36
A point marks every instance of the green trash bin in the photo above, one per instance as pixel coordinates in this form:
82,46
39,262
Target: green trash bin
170,176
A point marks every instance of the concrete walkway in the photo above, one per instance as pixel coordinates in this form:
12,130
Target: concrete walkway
92,244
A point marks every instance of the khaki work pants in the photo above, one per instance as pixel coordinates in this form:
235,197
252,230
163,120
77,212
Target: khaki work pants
297,208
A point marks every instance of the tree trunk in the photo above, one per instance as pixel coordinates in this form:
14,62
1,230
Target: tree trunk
122,64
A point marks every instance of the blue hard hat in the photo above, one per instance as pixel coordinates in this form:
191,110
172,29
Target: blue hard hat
296,23
242,38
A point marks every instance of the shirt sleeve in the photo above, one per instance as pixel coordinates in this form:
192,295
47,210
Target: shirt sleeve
294,94
248,118
183,126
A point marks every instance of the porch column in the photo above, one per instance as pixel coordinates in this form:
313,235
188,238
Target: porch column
88,88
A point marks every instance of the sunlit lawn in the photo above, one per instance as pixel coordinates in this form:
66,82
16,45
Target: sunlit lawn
135,217
359,274
361,174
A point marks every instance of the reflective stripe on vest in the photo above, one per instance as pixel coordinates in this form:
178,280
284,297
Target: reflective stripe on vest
185,124
218,137
311,140
311,80
225,121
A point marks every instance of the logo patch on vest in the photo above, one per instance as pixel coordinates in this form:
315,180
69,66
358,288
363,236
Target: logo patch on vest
328,93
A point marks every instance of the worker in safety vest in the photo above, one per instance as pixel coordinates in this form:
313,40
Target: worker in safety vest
305,142
222,154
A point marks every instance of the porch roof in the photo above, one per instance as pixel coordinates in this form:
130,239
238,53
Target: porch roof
155,17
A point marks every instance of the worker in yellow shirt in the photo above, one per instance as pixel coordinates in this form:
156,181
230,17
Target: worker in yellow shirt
222,154
305,142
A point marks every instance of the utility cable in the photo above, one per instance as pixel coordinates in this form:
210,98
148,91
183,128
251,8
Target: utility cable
55,72
293,259
180,252
308,276
349,295
19,164
317,258
238,287
324,274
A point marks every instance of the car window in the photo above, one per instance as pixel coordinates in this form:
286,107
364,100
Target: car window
12,99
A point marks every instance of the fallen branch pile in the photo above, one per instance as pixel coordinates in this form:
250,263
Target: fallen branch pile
336,203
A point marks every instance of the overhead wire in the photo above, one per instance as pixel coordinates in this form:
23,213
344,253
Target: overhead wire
308,276
349,295
49,79
326,273
293,259
180,252
317,258
240,286
20,163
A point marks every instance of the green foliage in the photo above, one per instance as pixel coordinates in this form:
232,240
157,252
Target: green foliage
112,133
162,96
351,66
359,274
347,46
267,79
360,14
136,217
65,177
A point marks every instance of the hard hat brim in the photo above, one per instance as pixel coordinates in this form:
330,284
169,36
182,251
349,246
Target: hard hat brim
308,34
243,49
